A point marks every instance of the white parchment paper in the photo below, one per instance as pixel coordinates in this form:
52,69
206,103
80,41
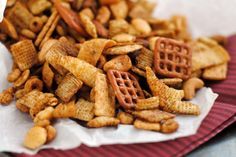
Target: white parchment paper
206,17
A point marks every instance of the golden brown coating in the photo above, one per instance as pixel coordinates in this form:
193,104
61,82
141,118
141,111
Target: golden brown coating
146,104
183,107
153,116
218,72
65,110
68,87
51,133
140,124
169,126
125,118
35,137
84,110
121,63
102,121
103,105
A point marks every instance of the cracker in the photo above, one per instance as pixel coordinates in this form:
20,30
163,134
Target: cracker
123,49
84,110
121,63
99,122
218,72
119,10
153,116
88,25
103,105
91,50
207,53
140,124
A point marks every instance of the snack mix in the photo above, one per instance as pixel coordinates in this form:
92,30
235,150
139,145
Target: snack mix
104,63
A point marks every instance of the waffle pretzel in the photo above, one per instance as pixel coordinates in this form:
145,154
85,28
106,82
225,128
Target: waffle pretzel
172,58
126,87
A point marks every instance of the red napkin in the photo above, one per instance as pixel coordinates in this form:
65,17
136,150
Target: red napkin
221,116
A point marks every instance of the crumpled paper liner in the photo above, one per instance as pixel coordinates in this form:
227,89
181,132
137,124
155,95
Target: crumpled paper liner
14,124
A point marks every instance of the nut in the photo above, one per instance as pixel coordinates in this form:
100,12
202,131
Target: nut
190,86
51,133
125,118
141,26
35,137
121,63
169,126
14,75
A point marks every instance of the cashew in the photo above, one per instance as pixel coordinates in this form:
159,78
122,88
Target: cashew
190,87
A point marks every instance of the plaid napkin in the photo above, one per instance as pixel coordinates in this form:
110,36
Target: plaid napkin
221,116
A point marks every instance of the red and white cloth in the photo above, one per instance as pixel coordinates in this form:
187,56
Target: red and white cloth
221,116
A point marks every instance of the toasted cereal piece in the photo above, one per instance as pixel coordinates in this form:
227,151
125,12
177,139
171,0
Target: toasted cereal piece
138,71
100,122
47,75
158,88
152,43
172,82
38,7
28,34
103,15
88,25
124,38
7,27
13,75
6,96
103,106
37,101
153,116
218,72
79,68
37,23
91,50
123,49
146,104
125,118
51,133
24,54
183,107
84,110
46,46
169,126
48,28
92,95
144,59
22,108
119,10
140,124
45,114
57,47
35,137
118,26
121,63
22,79
65,110
19,16
33,83
68,87
206,53
141,26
